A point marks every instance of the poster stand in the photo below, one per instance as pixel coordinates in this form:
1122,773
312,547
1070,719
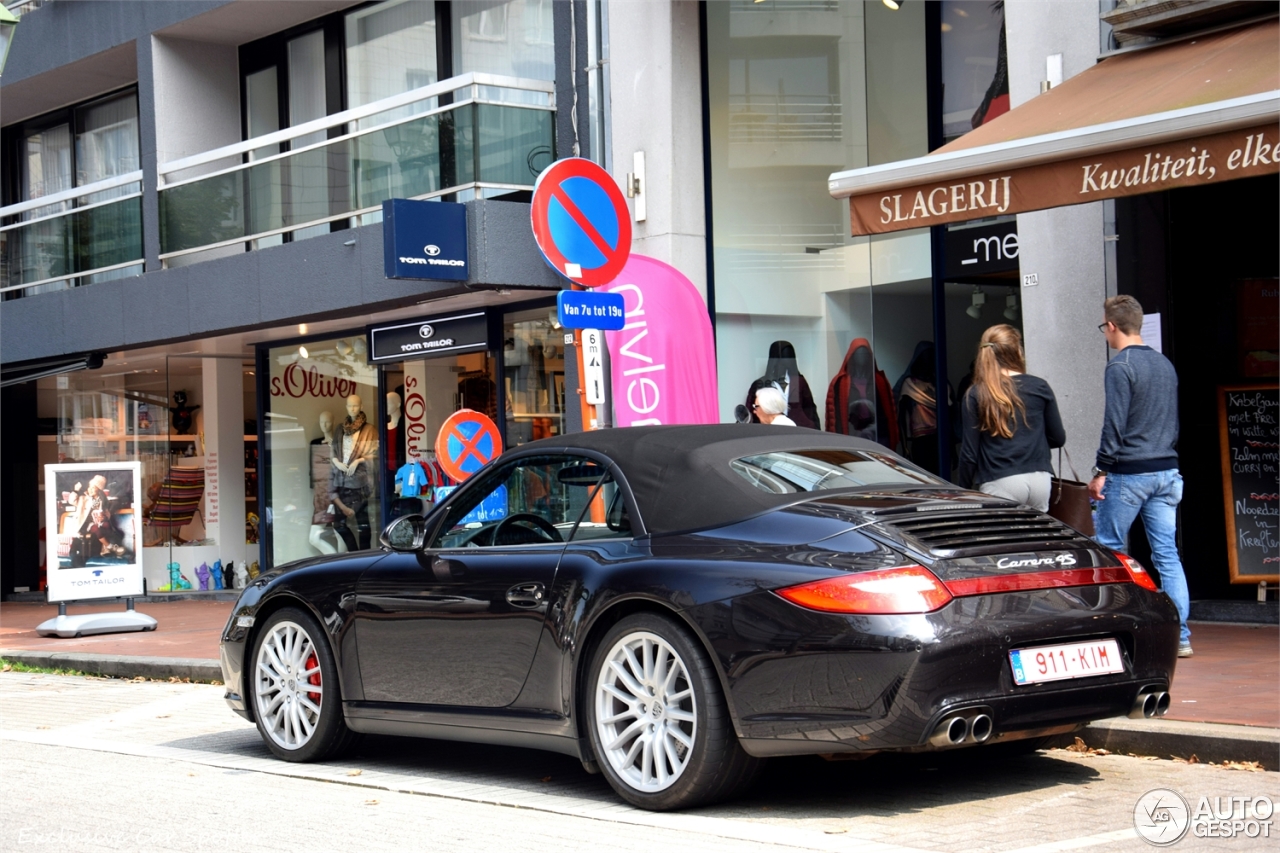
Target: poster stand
95,510
87,624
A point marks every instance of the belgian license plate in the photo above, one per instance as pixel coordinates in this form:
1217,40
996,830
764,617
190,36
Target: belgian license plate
1055,663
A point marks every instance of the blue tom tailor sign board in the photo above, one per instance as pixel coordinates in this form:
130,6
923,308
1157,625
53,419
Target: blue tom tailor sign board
586,309
581,222
424,239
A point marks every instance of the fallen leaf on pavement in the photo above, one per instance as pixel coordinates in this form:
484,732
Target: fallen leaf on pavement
1251,766
835,831
370,802
1084,749
354,772
42,727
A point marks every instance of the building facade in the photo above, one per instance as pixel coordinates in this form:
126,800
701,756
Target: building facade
194,191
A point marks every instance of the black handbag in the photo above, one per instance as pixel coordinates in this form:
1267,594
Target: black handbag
1069,499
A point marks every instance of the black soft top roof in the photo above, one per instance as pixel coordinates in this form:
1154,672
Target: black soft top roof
680,475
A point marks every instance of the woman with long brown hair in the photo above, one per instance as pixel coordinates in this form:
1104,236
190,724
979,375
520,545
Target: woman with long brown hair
1011,421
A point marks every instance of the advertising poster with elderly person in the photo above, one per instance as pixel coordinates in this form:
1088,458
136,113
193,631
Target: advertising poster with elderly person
93,513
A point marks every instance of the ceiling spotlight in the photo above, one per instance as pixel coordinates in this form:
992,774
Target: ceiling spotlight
343,348
979,299
895,5
1011,307
357,344
302,351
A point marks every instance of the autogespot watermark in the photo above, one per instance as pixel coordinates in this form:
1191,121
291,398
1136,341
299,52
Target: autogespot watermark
1163,817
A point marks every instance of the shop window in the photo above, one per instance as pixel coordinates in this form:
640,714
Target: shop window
796,92
533,354
183,419
975,74
322,450
420,395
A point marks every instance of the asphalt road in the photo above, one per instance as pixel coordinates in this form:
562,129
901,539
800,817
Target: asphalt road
91,764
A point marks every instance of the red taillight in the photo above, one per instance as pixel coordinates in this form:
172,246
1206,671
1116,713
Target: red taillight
904,589
989,584
1137,573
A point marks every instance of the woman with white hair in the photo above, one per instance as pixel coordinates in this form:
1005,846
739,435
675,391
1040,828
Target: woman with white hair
771,407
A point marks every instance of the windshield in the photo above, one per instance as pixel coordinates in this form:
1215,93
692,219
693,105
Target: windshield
793,471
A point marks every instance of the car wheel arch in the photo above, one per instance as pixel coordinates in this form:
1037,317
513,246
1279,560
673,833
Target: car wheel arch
266,608
614,613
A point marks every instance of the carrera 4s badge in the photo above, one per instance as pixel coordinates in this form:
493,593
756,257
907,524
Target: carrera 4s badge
1059,560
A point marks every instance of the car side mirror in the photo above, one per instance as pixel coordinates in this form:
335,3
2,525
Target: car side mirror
404,534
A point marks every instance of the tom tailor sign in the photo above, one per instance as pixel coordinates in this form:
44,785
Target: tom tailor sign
429,337
424,240
1225,156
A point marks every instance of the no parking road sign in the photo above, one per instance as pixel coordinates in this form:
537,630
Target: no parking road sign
466,441
581,222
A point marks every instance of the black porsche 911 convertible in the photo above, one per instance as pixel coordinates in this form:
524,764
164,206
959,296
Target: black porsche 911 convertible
672,605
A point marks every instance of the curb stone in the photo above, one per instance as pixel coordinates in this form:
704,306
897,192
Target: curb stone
121,666
1208,742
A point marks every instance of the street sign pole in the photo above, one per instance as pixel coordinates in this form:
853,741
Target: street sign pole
590,419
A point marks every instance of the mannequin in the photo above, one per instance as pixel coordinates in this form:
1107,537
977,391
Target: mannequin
395,448
323,536
917,400
859,399
354,462
783,373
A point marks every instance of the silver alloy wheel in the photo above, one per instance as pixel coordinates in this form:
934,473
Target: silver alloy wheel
288,685
646,713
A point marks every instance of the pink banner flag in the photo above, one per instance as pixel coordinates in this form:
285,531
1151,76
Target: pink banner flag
663,361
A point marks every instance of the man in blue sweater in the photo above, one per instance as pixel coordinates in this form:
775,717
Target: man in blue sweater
1136,471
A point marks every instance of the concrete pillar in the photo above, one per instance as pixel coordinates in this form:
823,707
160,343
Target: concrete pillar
224,504
655,74
1062,247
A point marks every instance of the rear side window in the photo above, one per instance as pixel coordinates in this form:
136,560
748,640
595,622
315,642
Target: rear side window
783,473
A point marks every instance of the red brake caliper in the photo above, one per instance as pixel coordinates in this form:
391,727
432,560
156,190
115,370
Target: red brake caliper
314,678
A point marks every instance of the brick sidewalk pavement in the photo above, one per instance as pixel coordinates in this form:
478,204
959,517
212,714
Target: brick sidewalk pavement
1233,678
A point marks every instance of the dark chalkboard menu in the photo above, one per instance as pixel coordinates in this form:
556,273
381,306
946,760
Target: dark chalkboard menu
1249,420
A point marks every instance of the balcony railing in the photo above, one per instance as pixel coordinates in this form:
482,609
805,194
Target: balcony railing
471,136
79,236
784,118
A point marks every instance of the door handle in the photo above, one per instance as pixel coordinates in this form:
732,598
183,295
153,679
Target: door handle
527,595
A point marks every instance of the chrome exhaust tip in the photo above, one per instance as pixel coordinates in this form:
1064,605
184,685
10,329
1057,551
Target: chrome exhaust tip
1162,703
952,731
1144,706
980,728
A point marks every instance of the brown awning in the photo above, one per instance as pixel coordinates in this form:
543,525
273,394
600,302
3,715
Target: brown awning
1199,111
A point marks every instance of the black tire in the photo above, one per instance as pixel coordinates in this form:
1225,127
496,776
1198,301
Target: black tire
714,768
316,734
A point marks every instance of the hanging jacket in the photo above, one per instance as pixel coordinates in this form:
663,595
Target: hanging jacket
841,393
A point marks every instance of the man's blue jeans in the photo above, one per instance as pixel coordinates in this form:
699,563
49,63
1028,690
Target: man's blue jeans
1156,497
